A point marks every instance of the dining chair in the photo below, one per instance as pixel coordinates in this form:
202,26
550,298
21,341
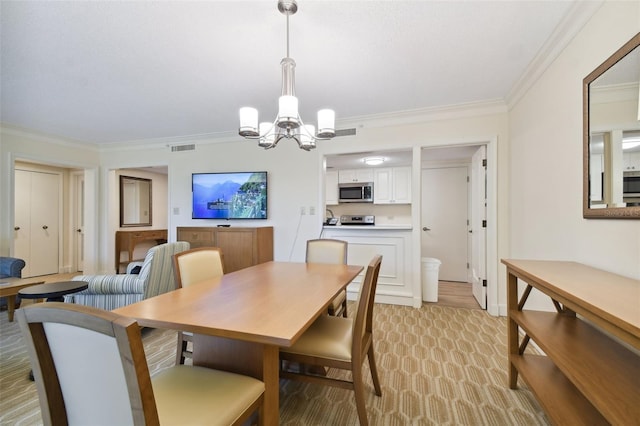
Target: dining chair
192,266
326,250
90,368
342,343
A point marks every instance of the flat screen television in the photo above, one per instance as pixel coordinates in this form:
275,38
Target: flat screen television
236,195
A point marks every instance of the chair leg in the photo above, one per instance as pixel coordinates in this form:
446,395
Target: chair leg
181,348
344,308
374,371
358,390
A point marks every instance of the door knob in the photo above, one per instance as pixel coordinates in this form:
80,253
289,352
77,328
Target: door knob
426,229
45,227
16,228
78,230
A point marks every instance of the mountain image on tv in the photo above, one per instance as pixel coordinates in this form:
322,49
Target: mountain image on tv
229,195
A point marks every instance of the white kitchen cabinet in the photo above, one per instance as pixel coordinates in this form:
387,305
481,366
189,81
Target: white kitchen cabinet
631,161
331,188
392,185
355,175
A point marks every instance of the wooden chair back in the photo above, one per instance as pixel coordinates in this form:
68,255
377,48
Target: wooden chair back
363,322
89,365
326,250
198,264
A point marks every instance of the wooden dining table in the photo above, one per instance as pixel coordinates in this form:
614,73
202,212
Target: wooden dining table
240,320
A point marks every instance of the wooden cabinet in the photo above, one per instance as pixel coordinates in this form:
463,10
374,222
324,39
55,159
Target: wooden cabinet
127,241
331,188
241,247
355,175
392,185
587,376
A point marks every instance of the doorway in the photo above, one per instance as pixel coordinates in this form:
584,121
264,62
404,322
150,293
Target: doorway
453,217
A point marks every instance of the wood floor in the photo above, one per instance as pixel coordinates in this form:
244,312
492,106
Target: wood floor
456,295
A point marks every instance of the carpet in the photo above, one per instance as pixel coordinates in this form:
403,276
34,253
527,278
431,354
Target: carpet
437,365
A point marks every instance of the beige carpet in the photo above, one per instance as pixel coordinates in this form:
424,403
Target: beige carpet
438,366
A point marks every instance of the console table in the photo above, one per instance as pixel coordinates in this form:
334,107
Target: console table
587,376
127,241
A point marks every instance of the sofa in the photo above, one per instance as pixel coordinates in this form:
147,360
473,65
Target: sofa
10,267
115,291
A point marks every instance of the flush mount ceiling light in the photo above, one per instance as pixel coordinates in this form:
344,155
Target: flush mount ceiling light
288,123
374,161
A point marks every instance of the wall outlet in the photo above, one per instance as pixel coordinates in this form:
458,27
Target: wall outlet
303,211
176,210
312,210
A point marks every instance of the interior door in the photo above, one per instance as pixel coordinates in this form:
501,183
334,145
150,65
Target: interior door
37,217
478,226
444,220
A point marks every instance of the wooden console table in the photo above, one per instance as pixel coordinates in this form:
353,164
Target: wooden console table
127,241
587,377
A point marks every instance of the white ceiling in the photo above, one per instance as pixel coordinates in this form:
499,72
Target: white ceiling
113,71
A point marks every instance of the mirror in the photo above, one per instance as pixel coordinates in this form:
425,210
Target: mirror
611,136
135,201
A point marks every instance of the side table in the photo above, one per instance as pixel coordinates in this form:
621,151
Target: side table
53,292
9,288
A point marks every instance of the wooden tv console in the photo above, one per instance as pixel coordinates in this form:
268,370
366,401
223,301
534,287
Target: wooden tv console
587,377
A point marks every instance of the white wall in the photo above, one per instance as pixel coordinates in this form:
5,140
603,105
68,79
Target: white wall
545,129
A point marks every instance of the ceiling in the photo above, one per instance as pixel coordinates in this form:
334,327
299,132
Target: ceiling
112,71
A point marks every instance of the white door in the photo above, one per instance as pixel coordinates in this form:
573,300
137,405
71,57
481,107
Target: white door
478,226
37,219
444,220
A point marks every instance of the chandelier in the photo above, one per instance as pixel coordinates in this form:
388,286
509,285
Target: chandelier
288,123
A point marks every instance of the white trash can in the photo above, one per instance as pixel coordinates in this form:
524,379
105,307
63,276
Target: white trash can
430,269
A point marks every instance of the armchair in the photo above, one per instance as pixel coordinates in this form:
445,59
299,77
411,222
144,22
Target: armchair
114,291
10,267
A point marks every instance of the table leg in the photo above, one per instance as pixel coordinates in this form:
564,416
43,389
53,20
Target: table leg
11,306
252,359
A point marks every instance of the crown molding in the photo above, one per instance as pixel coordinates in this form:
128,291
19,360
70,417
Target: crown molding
21,132
424,115
578,15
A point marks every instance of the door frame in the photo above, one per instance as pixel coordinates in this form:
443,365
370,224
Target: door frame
491,143
91,248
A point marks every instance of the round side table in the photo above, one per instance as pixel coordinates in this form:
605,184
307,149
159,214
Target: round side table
53,292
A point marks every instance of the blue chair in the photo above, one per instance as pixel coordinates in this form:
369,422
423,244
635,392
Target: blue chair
10,267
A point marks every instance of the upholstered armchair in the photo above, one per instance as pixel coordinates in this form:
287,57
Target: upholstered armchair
114,291
11,267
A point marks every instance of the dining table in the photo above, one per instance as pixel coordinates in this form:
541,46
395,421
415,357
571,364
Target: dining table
241,319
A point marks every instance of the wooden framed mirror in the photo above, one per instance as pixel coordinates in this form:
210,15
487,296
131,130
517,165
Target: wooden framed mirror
135,201
611,136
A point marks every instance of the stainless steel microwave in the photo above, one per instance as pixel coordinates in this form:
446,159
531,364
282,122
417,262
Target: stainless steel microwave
360,192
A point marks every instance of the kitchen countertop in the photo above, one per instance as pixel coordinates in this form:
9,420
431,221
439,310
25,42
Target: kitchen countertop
391,227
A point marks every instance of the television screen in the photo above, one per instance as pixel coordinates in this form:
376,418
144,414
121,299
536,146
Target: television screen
240,195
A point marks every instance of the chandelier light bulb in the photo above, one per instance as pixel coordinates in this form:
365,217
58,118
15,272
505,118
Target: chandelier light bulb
248,121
